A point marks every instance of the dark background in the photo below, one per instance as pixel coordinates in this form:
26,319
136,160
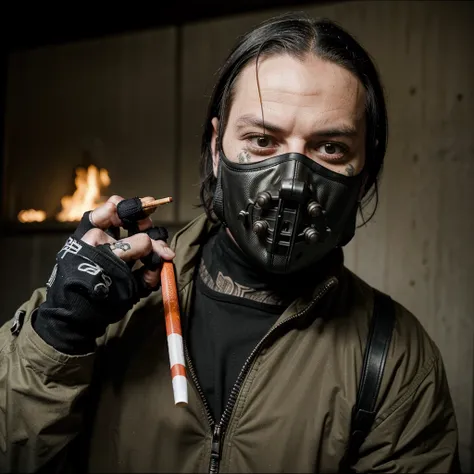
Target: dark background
418,248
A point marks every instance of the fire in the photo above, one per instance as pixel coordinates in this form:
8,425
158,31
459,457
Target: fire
31,215
87,195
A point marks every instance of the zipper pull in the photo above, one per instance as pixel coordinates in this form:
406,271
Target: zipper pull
215,450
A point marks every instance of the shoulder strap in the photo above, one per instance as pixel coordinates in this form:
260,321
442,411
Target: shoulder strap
363,413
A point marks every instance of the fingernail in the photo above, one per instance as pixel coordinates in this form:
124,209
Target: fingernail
91,220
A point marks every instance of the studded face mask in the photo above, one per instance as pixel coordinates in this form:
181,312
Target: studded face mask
286,212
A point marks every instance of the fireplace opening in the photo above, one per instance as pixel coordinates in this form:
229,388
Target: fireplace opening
90,183
83,122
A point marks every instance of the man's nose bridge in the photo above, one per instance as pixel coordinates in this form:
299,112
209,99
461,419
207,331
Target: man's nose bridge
297,145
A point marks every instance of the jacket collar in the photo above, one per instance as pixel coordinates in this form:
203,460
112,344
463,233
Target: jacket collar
190,240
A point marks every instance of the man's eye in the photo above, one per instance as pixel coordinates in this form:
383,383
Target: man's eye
332,149
261,141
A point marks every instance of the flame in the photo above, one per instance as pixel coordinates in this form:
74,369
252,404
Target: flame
87,195
31,215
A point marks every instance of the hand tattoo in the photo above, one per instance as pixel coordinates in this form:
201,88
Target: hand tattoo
350,170
244,157
124,246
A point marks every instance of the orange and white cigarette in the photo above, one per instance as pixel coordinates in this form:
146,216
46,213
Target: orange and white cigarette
174,334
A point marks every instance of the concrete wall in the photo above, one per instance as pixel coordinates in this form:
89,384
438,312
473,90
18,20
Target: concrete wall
136,103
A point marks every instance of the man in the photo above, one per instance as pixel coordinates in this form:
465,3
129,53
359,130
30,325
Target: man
275,326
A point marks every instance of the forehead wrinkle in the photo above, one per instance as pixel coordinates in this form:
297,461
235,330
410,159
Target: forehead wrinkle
304,105
321,97
291,92
350,107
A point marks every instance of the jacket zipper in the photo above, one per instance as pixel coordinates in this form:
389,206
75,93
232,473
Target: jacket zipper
215,428
192,372
219,429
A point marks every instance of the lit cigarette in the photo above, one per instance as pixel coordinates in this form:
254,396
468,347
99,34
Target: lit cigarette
174,334
150,205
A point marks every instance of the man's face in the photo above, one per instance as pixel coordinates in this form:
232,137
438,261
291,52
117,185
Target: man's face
312,107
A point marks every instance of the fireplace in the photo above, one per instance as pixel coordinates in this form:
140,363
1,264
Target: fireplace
87,120
90,184
37,203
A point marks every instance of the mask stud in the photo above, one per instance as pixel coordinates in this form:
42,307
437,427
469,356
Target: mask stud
260,228
243,215
311,235
264,199
314,209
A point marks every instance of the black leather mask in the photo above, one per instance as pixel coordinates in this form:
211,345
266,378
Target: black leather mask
286,212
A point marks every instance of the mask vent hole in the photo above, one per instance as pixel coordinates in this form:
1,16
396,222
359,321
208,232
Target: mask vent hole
286,226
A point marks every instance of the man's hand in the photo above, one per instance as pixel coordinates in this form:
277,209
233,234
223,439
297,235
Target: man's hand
93,285
133,248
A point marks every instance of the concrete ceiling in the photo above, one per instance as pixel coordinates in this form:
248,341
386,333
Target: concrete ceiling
30,25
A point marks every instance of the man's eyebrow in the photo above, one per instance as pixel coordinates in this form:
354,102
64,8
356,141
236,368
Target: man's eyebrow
252,121
339,131
336,131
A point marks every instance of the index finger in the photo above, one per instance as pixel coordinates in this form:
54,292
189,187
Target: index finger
106,215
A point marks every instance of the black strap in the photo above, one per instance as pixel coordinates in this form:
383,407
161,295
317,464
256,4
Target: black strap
363,413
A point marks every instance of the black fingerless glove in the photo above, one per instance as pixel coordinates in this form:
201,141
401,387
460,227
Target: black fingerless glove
89,289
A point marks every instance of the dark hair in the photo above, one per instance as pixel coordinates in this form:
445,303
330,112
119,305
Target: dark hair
297,34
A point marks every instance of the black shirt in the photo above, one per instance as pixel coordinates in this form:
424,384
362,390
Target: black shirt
232,311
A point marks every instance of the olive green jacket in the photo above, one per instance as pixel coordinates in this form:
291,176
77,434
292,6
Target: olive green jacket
113,410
